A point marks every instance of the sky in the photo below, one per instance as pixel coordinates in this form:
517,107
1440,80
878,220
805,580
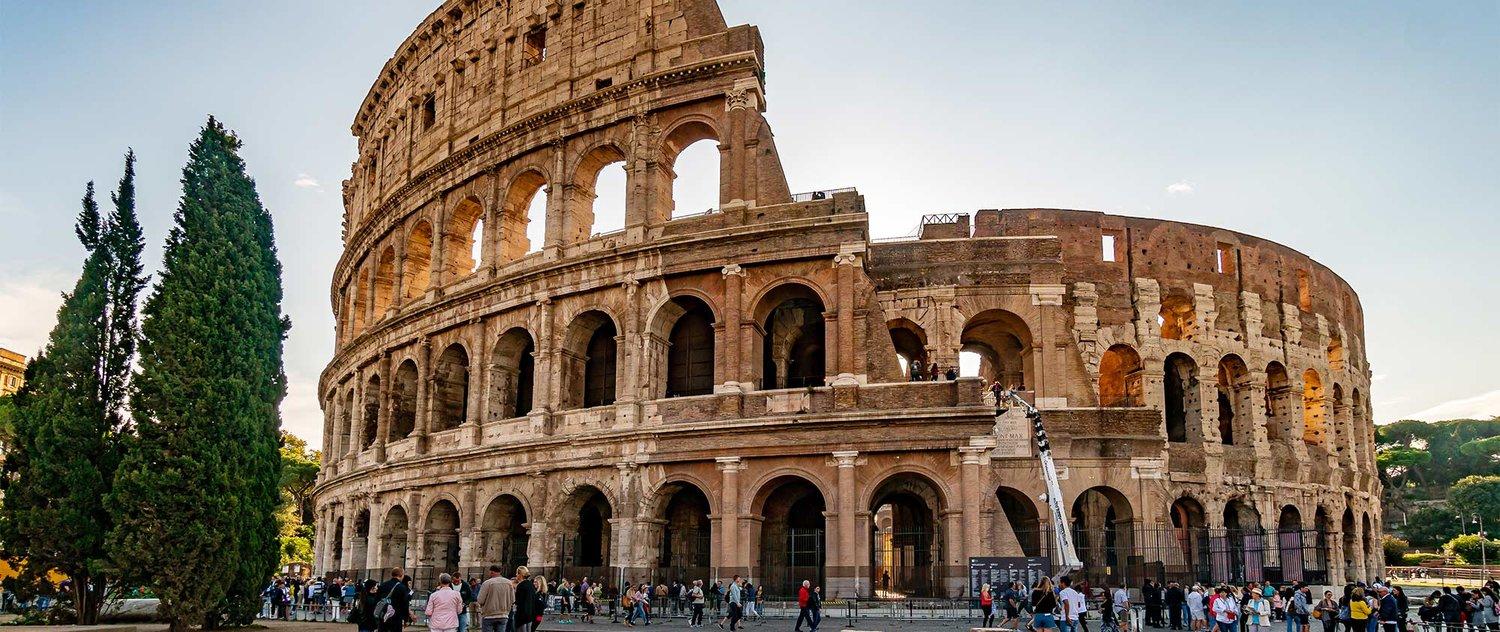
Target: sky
1366,135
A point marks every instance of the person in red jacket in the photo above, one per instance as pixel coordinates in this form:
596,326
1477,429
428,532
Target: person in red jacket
803,614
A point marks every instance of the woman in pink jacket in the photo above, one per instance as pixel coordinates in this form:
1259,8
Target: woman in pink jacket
443,606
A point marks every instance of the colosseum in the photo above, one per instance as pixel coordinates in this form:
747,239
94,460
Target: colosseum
763,388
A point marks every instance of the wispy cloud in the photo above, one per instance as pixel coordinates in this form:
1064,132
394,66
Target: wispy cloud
305,181
28,307
1180,187
1481,406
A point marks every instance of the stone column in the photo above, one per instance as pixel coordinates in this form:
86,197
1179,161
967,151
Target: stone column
842,578
351,515
734,279
382,407
545,394
479,384
424,394
468,530
845,262
729,513
971,458
630,349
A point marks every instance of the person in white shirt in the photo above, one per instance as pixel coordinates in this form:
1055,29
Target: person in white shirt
1195,608
1122,608
1073,605
1226,611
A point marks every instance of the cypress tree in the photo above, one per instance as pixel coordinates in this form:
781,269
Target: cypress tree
195,496
64,450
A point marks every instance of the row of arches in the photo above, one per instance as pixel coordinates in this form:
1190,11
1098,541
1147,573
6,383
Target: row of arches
1242,548
592,200
994,345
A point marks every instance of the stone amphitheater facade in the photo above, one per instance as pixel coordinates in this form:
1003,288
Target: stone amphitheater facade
731,392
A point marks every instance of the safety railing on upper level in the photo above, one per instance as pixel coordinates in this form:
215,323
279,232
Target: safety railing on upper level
821,194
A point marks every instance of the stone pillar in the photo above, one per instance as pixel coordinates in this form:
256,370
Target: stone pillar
630,370
742,102
382,407
845,262
729,514
842,578
351,515
468,530
398,285
424,394
545,392
480,385
734,279
971,458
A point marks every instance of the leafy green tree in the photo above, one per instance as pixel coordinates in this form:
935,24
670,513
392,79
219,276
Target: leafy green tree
1394,548
196,495
1477,496
1443,440
1472,549
1429,526
299,472
67,418
1398,462
1488,448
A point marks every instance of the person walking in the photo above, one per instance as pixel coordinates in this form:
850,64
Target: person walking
1299,611
1043,605
815,604
1225,610
750,595
1176,600
1122,608
695,601
497,596
362,610
736,610
1197,617
986,606
1010,599
803,595
444,606
1072,603
398,595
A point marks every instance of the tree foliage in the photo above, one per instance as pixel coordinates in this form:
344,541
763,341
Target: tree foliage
1443,440
66,422
1477,496
1472,549
1394,549
1429,526
196,495
299,472
1397,462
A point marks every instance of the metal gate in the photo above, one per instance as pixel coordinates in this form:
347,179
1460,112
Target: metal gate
903,565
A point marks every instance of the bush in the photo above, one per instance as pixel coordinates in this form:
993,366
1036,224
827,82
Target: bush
1395,549
1468,548
1416,559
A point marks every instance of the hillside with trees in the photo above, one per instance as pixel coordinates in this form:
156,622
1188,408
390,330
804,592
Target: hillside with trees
1442,481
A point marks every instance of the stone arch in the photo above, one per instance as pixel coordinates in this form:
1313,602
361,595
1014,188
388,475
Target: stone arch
361,301
589,360
910,341
681,348
581,216
385,281
416,266
1314,411
1336,409
1350,545
338,545
450,388
906,547
394,537
345,422
1280,419
1335,353
1182,405
512,374
677,139
516,216
583,525
370,409
1290,544
1241,549
1178,320
463,240
682,546
504,531
1189,562
792,335
1018,524
404,401
1358,425
1102,520
1120,378
792,533
1002,342
359,545
1367,541
440,538
1233,388
1318,566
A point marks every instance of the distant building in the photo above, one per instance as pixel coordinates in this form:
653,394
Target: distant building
12,371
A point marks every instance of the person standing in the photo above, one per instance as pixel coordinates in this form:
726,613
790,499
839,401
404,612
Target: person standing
1122,608
1225,610
1196,615
1387,612
1175,600
986,606
695,601
1043,605
363,607
815,604
466,593
1151,594
1257,612
1072,603
716,595
444,606
525,601
803,595
497,596
398,594
1328,610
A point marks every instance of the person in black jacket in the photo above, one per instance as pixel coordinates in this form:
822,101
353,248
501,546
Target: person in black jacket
397,591
363,608
1151,593
1175,599
527,612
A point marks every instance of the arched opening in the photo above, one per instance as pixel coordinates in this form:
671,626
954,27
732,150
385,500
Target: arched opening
523,216
1362,437
1339,424
583,526
690,354
450,388
905,545
1120,378
361,302
1232,385
1177,319
404,402
1182,406
345,423
1002,342
338,544
504,532
1351,546
1279,417
1289,541
1335,353
463,240
1101,521
910,341
792,345
589,361
684,544
598,204
1190,529
1312,408
393,538
416,267
441,538
1367,539
513,375
370,408
1318,563
385,281
359,545
791,535
693,162
1018,525
1241,549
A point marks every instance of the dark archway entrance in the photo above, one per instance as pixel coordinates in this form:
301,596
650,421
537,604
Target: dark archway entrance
792,536
905,548
685,542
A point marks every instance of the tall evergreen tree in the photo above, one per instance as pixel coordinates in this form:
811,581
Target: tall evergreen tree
63,455
123,242
195,496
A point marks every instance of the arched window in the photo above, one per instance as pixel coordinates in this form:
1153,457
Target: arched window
393,536
599,372
585,516
683,549
1120,378
1233,391
792,534
598,198
523,216
463,240
450,388
589,361
504,535
1313,414
1279,415
514,375
1002,342
370,411
910,341
690,358
693,161
1177,320
416,271
1182,406
792,346
385,281
1102,533
361,302
404,402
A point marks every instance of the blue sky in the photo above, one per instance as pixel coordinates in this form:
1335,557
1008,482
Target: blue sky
1366,135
